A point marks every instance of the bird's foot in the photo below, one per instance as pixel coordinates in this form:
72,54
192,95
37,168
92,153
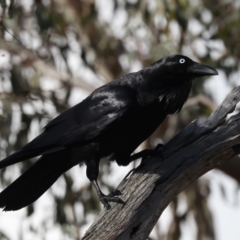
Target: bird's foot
156,152
160,147
159,150
114,193
105,199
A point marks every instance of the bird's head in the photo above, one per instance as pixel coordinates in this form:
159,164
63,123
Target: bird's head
176,70
169,81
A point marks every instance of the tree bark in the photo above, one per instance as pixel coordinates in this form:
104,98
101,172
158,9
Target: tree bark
157,181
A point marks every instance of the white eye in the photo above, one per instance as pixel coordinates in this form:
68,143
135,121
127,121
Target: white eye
182,60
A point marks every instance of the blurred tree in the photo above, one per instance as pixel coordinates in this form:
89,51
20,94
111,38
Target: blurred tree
53,53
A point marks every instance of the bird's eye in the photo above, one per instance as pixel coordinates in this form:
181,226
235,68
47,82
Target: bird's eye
182,60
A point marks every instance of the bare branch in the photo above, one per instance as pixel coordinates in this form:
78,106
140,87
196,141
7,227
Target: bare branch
148,191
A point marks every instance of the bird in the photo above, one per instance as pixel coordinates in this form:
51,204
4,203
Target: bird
110,123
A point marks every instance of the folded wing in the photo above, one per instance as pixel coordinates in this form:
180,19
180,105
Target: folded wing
80,124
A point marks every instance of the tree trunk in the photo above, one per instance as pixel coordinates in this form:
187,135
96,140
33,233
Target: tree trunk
157,181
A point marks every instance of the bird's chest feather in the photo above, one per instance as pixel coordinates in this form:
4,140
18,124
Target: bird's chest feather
131,131
147,119
138,125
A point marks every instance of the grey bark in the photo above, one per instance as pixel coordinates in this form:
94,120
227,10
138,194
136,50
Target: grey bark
151,187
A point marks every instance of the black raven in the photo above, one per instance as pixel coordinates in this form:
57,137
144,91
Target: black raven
111,122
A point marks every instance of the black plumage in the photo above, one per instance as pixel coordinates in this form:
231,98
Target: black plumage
111,122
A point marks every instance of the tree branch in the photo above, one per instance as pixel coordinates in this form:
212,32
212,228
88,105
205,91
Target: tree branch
153,185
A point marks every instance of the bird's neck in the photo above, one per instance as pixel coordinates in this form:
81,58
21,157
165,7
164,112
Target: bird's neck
174,98
169,99
149,91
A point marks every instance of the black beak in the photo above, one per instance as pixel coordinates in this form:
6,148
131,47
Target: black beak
200,70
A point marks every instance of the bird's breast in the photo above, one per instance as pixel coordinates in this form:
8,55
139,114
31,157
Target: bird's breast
131,131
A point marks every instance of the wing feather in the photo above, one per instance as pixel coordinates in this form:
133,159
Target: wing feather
86,120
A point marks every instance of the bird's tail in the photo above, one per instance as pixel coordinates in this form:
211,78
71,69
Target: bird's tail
35,181
25,153
17,157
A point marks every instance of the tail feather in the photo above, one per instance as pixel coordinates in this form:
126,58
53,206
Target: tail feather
17,157
24,154
34,182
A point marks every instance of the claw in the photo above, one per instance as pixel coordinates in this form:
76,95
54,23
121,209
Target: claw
114,193
160,147
105,203
105,199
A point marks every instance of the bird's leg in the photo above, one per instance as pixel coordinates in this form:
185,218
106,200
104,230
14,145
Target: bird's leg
92,174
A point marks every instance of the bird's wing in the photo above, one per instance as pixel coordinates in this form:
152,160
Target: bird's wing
105,108
85,121
82,123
